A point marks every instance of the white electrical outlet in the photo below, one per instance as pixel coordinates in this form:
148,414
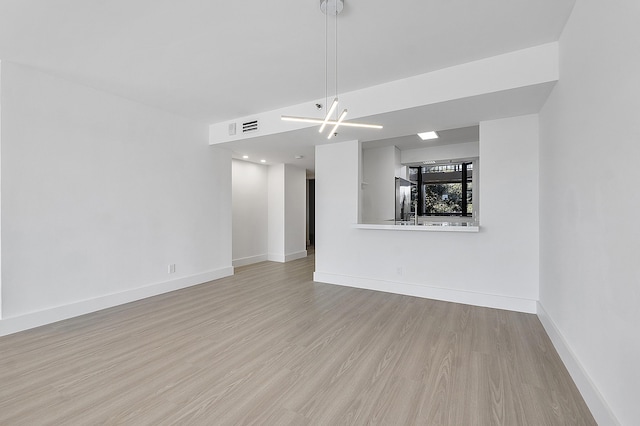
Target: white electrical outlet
172,268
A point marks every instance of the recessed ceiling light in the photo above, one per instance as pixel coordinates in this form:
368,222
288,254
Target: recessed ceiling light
425,136
263,161
245,156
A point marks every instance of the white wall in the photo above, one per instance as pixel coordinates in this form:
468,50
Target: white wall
500,267
307,212
337,199
509,193
589,204
276,225
0,191
295,212
99,196
400,169
249,194
286,213
379,188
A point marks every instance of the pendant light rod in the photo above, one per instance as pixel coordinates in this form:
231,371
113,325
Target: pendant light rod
326,57
336,50
330,7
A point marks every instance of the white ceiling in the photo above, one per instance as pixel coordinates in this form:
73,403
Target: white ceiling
217,60
213,61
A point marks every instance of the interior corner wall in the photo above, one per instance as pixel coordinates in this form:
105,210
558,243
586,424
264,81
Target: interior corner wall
589,204
0,190
337,199
501,261
378,190
99,196
308,214
508,201
400,169
295,211
249,200
286,213
275,213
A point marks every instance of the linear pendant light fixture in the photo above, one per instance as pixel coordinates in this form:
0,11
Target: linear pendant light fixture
322,121
334,105
331,7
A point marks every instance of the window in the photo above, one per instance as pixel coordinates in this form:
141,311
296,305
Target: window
443,189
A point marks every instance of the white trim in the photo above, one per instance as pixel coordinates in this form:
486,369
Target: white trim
297,255
282,258
272,257
249,260
593,398
36,319
430,292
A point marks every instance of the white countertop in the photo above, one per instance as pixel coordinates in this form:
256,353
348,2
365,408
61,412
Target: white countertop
426,226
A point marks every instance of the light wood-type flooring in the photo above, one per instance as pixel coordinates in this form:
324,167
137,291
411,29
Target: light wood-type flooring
269,346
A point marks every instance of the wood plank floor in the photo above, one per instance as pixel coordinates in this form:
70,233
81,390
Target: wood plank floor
269,346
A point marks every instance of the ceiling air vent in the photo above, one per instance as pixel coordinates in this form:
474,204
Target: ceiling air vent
250,126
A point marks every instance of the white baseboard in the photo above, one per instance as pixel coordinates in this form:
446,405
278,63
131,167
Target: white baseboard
297,255
36,319
594,400
282,258
242,261
428,292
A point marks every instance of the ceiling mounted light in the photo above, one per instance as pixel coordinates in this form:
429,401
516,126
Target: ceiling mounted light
425,136
334,6
331,7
